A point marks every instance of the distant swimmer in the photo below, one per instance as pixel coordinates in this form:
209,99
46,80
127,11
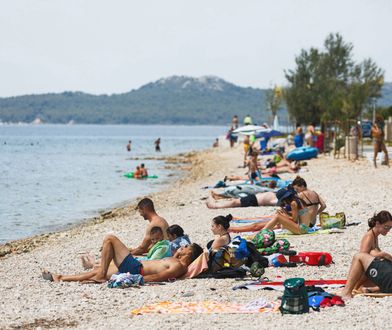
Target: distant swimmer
138,173
158,144
129,145
216,143
143,171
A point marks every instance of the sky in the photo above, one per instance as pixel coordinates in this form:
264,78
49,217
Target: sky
106,47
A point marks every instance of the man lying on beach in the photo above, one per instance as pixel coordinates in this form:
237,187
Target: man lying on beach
242,190
260,199
123,262
147,211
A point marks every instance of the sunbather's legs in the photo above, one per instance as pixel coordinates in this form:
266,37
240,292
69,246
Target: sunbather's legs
213,204
216,195
360,263
285,222
112,249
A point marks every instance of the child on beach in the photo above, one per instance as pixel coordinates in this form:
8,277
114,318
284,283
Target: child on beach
371,268
177,238
253,171
220,228
161,247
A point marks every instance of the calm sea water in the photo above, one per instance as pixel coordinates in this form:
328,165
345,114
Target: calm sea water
52,176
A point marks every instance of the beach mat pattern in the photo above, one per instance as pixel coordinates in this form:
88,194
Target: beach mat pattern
207,307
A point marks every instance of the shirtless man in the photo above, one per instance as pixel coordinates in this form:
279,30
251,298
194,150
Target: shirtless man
143,171
152,270
147,211
260,199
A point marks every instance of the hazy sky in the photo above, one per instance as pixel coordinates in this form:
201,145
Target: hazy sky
115,46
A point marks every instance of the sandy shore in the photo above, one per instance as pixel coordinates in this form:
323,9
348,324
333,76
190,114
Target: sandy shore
28,302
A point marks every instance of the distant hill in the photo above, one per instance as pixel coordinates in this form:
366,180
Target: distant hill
172,100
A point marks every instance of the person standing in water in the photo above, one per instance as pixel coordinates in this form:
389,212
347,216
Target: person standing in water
158,144
129,145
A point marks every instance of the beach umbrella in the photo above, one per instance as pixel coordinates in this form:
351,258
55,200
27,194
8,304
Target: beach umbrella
250,129
268,134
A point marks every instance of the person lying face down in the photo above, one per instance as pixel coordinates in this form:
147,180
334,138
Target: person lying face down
123,262
371,268
220,228
161,247
177,238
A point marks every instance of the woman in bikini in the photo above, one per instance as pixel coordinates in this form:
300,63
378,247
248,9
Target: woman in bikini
314,203
220,228
379,224
293,214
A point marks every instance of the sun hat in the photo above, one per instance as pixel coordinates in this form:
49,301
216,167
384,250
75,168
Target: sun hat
284,193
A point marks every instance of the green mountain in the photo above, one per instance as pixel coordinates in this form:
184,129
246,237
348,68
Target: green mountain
172,100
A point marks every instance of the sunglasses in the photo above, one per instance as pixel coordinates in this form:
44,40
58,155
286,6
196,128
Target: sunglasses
386,227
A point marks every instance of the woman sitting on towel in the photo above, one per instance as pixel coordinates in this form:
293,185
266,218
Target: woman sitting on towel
220,228
379,224
293,214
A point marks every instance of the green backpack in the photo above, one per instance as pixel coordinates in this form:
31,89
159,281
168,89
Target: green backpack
295,297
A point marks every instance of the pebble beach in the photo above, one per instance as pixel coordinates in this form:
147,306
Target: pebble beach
29,302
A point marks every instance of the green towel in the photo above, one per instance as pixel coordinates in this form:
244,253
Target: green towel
160,250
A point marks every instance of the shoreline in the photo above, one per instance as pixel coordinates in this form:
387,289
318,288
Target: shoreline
27,244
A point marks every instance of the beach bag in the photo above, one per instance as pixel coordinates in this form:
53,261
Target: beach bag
255,256
238,252
315,258
295,297
332,221
225,272
219,259
264,238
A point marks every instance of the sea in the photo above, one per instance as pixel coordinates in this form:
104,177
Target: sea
53,176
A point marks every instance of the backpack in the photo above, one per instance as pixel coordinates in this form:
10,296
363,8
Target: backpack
219,259
295,297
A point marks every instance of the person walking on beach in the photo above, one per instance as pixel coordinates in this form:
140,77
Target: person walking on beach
378,141
129,145
124,262
158,144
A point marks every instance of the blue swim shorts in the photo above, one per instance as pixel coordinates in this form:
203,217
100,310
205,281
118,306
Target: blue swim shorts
130,265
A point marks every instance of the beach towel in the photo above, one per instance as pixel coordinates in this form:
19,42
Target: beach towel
125,280
198,266
160,250
262,218
207,307
278,285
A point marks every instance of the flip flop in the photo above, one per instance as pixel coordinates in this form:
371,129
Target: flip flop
47,276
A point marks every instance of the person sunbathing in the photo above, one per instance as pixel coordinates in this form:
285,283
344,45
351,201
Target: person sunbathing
293,167
293,215
177,238
147,211
379,224
313,202
243,190
260,199
123,262
220,228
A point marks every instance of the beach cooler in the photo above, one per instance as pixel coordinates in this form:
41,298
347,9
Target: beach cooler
302,153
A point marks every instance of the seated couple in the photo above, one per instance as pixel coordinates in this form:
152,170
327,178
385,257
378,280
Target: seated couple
299,207
371,268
